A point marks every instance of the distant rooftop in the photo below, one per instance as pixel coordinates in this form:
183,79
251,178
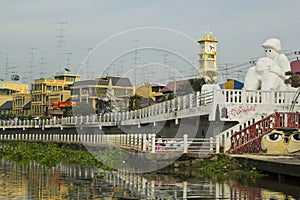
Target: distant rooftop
104,80
6,106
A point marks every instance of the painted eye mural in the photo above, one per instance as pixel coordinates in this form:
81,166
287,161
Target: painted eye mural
281,141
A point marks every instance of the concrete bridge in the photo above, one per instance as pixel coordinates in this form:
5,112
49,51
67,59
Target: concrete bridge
236,109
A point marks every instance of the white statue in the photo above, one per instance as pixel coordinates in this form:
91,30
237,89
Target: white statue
269,72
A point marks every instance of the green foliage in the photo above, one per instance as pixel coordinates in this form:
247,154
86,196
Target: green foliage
22,117
83,108
112,157
30,117
68,113
193,85
163,99
170,96
293,80
48,155
197,84
135,102
222,166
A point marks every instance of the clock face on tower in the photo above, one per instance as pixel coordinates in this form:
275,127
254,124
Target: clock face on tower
210,47
202,47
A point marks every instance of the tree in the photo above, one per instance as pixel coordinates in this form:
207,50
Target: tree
170,96
193,85
135,102
83,108
197,84
293,80
211,77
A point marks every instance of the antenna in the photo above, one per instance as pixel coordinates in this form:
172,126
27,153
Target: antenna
31,66
6,66
61,40
68,64
42,64
88,73
208,31
135,59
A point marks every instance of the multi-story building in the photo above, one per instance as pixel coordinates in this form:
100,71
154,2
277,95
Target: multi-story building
44,92
150,93
7,89
20,104
115,89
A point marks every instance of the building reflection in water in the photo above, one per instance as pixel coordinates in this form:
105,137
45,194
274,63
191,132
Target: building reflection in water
33,181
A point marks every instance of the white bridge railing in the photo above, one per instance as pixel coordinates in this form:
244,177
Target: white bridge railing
194,104
138,142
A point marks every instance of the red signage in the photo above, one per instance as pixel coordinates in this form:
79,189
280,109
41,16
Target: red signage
63,104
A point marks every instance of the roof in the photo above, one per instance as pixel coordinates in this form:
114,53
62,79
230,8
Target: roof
27,105
146,102
295,66
232,84
6,106
170,86
116,81
207,37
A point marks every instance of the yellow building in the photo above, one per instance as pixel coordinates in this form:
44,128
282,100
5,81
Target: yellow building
20,104
44,92
7,89
208,58
111,88
152,91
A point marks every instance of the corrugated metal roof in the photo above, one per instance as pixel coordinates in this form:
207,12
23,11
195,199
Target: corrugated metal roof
116,81
6,106
27,106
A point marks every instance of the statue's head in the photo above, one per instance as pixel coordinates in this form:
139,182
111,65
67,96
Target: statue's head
272,48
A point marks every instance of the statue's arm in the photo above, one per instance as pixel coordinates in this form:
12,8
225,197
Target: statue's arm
284,63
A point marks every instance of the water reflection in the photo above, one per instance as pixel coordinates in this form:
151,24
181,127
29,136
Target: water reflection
32,181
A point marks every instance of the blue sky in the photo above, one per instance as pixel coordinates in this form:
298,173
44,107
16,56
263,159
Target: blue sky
240,27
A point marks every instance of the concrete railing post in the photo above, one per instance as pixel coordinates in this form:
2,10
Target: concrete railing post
153,143
185,143
145,142
211,144
217,144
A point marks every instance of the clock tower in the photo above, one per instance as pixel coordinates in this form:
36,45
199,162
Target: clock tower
208,59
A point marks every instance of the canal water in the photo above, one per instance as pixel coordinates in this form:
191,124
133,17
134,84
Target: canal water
33,181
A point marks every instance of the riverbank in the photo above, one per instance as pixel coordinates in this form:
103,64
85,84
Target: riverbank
218,167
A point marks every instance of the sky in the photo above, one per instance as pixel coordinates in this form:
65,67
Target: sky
41,37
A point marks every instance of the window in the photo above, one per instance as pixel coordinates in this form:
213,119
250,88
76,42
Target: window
70,79
210,56
210,64
49,88
101,91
